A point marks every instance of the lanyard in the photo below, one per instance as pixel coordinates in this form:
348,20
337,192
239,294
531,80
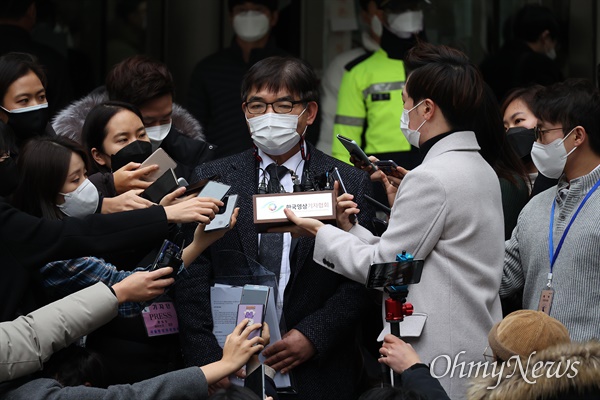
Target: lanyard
554,256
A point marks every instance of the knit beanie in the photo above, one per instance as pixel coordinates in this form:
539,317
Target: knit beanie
525,331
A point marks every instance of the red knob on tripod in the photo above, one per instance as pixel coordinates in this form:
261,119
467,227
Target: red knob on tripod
407,309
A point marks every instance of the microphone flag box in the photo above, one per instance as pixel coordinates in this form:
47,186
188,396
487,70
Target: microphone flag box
268,208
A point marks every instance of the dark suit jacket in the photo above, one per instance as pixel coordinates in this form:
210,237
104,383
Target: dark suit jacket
28,242
322,305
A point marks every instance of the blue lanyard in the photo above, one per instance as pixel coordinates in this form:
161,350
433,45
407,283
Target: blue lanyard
554,256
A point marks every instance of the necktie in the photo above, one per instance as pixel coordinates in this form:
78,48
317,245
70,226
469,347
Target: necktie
271,244
276,172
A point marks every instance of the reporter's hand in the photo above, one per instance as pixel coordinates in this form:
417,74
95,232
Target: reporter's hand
238,348
202,239
302,226
360,165
197,209
346,209
175,197
143,285
127,201
289,352
206,239
129,177
398,354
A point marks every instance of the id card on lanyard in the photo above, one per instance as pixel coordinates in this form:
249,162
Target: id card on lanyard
547,295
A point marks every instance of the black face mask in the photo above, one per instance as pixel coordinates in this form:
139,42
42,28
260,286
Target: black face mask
136,151
28,124
9,176
521,140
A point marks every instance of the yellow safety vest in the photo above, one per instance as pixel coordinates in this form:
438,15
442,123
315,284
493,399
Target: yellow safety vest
370,106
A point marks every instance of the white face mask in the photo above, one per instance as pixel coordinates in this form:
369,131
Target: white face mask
405,24
81,202
413,136
158,133
251,26
275,134
376,26
550,159
551,53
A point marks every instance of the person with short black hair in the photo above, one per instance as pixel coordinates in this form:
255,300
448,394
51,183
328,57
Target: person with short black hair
213,95
554,245
320,310
148,86
447,212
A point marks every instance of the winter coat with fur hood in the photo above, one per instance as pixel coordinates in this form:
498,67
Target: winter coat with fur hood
185,142
569,371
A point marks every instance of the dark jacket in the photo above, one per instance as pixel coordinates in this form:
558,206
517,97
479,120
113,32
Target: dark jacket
419,380
184,143
324,306
570,371
517,65
28,242
214,96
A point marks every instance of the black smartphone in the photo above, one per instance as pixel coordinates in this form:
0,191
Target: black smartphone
223,218
168,256
256,381
161,187
387,166
394,273
335,174
355,150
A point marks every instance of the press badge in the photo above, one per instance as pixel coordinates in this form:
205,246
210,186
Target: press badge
546,298
160,319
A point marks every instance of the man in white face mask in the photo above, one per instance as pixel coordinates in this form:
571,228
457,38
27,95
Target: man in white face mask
319,309
369,102
553,254
371,29
213,95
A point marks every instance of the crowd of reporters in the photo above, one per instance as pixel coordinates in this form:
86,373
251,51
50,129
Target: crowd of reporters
501,206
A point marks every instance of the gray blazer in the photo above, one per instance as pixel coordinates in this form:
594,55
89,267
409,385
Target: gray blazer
27,342
448,211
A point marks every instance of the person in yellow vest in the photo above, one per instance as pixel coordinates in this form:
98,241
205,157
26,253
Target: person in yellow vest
370,97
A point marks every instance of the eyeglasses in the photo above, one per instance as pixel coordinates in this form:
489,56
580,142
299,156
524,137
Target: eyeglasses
487,354
4,156
279,107
539,132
